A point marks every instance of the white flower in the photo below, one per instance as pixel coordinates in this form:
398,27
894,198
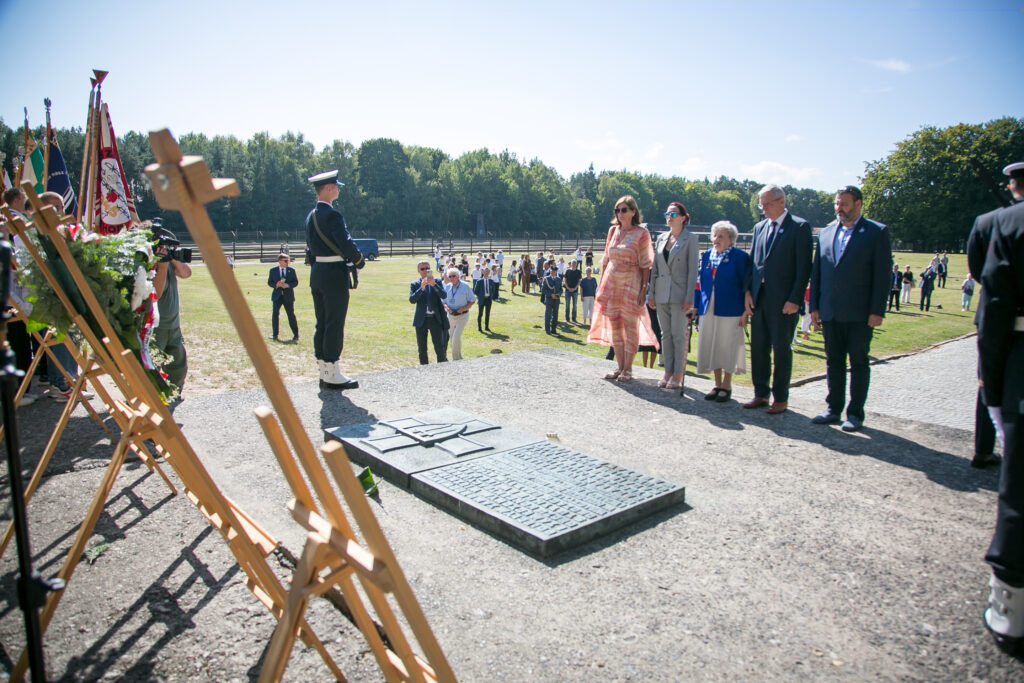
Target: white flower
142,289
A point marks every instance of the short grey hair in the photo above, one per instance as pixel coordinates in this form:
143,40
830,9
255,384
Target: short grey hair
453,271
726,227
774,190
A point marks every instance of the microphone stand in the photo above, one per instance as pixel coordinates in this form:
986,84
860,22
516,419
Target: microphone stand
31,587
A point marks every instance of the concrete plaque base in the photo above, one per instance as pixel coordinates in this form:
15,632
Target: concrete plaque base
538,496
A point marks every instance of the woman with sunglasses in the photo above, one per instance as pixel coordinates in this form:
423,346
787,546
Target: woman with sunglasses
673,279
619,317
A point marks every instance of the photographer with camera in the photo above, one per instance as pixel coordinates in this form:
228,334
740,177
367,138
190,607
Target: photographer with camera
172,265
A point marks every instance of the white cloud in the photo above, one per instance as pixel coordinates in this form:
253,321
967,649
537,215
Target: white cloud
694,167
774,172
793,138
897,65
654,152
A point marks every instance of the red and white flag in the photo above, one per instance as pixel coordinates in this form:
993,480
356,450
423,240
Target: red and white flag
114,208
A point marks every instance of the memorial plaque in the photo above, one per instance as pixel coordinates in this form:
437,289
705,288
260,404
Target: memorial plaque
537,495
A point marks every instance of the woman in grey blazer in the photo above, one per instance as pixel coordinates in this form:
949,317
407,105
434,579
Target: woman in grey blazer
673,279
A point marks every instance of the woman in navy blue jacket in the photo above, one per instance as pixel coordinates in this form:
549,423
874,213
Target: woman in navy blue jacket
720,346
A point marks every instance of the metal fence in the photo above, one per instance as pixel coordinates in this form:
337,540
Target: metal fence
250,246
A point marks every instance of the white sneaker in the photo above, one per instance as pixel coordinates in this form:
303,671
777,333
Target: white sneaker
58,395
28,399
86,394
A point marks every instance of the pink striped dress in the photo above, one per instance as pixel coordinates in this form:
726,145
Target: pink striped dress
628,254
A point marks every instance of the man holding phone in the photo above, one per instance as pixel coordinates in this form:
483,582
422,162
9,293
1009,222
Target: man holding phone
430,316
284,281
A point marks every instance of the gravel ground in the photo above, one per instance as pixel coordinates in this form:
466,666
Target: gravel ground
802,552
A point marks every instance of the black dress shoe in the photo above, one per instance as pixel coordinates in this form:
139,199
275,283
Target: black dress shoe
982,461
826,418
852,424
711,395
351,384
723,395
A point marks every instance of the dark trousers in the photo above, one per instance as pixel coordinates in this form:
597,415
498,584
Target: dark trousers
551,315
844,340
926,300
571,298
289,308
771,334
894,298
18,338
483,312
984,430
437,337
1006,552
328,283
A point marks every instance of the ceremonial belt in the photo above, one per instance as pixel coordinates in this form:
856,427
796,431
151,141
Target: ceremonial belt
1018,324
329,259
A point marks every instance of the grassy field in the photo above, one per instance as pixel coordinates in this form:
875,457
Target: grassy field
379,333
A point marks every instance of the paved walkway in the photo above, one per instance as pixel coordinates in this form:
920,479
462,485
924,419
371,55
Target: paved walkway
936,386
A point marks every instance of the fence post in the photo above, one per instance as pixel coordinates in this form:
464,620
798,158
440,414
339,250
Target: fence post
260,234
391,244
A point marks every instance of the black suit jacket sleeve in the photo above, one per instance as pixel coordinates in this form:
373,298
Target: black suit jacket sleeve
815,298
977,243
881,280
802,256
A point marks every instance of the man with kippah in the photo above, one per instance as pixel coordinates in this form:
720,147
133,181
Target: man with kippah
331,248
1001,355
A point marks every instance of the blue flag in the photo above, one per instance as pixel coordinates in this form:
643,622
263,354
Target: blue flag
58,180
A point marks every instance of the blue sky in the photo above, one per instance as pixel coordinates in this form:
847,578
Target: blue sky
790,92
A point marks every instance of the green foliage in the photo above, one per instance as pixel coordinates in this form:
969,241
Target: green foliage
93,552
926,190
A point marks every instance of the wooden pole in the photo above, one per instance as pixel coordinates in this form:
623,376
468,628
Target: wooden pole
46,148
83,185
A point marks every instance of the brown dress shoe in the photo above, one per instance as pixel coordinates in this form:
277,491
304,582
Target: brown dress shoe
776,408
756,402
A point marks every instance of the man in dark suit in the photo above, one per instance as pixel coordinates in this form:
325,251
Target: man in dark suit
850,280
780,267
977,250
485,292
284,281
430,317
328,242
550,294
1001,350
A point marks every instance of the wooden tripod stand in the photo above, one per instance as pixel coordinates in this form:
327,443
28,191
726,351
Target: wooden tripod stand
332,553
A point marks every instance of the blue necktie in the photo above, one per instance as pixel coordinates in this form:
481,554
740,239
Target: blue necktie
771,238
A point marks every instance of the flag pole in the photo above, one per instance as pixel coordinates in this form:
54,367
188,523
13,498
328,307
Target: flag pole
46,149
95,170
83,185
21,168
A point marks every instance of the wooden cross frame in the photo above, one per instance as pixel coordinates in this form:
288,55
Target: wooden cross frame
143,417
332,553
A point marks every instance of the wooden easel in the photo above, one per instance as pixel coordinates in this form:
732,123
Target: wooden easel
143,417
332,553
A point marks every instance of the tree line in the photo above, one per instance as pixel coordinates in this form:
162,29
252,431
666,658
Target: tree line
924,190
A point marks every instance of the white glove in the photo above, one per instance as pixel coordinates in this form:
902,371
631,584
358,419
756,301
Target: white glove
996,413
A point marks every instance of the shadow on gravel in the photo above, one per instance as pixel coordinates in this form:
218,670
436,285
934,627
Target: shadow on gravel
157,608
130,510
943,468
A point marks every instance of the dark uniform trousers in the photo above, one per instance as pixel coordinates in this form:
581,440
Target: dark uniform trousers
483,312
328,283
289,308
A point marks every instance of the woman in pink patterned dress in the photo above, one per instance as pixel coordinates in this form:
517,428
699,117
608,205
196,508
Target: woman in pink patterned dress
619,317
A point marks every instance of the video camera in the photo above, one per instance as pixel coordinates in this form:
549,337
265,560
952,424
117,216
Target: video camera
167,239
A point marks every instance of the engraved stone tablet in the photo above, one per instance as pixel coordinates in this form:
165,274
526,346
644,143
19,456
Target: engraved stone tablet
539,496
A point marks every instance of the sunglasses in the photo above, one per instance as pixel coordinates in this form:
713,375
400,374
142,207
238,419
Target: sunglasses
623,210
424,269
671,214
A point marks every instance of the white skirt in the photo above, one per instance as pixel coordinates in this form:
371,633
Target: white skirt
720,343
